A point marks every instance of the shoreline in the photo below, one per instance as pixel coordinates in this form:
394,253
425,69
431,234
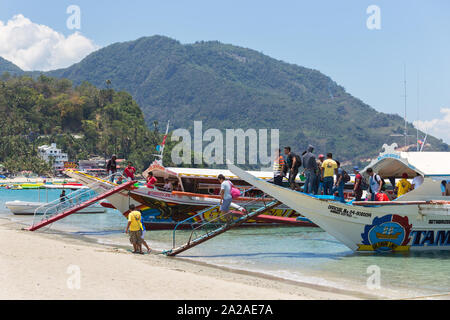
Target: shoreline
128,276
19,180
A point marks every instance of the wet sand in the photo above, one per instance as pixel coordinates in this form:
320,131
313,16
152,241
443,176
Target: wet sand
52,265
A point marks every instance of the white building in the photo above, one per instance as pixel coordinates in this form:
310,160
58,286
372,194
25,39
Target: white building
48,152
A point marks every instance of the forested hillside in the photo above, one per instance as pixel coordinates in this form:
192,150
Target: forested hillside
82,120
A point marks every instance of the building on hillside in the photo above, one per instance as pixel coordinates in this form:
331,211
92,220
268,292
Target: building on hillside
49,153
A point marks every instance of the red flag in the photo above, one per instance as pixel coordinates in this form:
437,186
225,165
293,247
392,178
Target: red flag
164,140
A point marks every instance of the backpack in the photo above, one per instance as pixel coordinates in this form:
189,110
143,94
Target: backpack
235,192
345,176
383,183
298,161
364,185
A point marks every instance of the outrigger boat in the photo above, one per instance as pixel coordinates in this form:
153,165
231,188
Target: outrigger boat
197,190
417,221
19,207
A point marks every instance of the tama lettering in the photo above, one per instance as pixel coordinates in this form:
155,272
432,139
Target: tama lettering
430,238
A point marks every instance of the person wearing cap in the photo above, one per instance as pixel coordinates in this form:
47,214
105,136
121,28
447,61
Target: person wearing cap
318,182
357,190
403,186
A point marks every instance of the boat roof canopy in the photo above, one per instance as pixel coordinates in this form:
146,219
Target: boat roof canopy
392,163
171,172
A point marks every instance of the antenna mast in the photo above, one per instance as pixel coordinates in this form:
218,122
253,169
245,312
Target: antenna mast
161,147
418,105
406,128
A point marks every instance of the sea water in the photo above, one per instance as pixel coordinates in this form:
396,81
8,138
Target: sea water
303,255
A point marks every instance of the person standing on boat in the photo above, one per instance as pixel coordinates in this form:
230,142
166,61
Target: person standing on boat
151,180
293,163
129,171
329,168
134,227
375,184
310,165
111,167
167,185
318,183
225,195
340,182
278,168
357,189
403,186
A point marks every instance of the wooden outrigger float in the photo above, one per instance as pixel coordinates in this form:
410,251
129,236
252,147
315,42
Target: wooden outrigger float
58,210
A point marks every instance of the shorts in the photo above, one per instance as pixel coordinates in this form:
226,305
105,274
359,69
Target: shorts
225,205
136,237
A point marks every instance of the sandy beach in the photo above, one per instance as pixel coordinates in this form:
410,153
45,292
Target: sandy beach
56,266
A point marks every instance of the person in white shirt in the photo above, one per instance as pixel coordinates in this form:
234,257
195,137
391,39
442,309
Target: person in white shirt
167,185
417,181
225,194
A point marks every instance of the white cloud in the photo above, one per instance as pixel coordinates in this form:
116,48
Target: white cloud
439,128
34,46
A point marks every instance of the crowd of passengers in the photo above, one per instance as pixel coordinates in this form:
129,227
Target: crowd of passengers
322,176
325,176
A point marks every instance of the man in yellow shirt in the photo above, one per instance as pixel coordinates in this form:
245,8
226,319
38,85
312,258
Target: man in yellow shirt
135,227
329,166
403,186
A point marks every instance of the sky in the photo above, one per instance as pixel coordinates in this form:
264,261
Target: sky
367,52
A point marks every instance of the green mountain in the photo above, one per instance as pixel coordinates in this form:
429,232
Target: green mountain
227,86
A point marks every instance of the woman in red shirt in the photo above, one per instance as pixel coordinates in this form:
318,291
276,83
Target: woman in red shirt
151,181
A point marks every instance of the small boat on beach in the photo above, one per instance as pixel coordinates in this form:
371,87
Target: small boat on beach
416,221
19,207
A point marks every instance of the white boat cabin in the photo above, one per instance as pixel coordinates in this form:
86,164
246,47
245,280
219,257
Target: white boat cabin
434,167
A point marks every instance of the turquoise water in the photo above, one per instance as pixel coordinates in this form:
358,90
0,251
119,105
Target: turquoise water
301,254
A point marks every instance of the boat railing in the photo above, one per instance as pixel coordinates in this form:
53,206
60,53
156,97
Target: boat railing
191,218
216,226
68,201
215,219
